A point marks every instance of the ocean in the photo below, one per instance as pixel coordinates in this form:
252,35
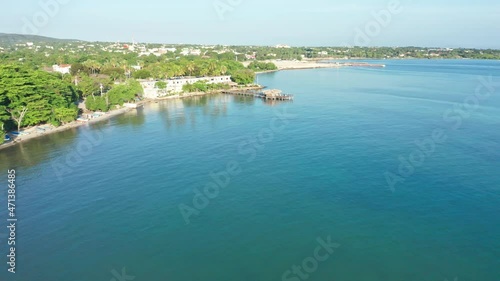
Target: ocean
370,174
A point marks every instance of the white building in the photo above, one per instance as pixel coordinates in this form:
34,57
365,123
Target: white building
174,86
281,46
63,68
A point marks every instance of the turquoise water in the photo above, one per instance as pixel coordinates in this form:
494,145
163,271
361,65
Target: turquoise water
98,199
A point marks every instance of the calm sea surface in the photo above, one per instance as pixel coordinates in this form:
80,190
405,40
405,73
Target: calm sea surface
341,162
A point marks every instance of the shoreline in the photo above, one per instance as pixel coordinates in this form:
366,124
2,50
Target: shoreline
302,65
71,125
282,65
110,114
295,65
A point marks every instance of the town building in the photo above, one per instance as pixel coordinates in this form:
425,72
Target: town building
174,85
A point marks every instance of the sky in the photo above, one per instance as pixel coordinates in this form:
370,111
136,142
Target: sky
425,23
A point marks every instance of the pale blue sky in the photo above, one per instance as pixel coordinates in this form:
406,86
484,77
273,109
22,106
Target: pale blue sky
437,23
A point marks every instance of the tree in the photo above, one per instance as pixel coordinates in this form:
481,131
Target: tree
223,69
176,70
156,70
18,116
4,114
204,72
88,86
65,115
29,96
78,68
97,103
212,67
190,67
161,85
243,77
141,74
93,65
40,111
262,66
114,73
124,93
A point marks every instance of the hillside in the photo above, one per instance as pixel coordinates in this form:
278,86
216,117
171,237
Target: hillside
9,38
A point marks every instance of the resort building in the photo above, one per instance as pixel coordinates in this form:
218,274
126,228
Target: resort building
174,85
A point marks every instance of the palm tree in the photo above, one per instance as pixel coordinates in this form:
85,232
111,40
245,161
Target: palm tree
125,66
111,63
190,67
156,70
140,63
177,70
223,70
93,65
204,72
212,67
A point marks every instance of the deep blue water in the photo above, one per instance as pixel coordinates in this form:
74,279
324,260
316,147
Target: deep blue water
106,197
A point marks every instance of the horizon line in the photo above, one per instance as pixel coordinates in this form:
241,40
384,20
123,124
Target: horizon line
252,45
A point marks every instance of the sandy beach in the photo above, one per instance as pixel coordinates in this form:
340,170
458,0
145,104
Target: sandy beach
295,64
290,65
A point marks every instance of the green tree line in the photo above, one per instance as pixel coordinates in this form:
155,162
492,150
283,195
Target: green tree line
30,97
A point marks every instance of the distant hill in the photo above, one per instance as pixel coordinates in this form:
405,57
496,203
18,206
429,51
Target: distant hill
6,38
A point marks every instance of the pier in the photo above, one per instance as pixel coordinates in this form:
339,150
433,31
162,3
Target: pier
272,95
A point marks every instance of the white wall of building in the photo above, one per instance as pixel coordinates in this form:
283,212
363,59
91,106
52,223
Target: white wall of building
174,86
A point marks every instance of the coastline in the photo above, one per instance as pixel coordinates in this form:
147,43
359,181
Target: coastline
295,65
110,114
71,125
281,64
301,65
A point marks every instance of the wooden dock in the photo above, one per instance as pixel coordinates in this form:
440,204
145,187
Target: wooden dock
275,95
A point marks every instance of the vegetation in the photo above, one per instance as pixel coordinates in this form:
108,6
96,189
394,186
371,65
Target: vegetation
103,74
161,85
243,77
118,95
142,74
30,97
262,66
203,86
